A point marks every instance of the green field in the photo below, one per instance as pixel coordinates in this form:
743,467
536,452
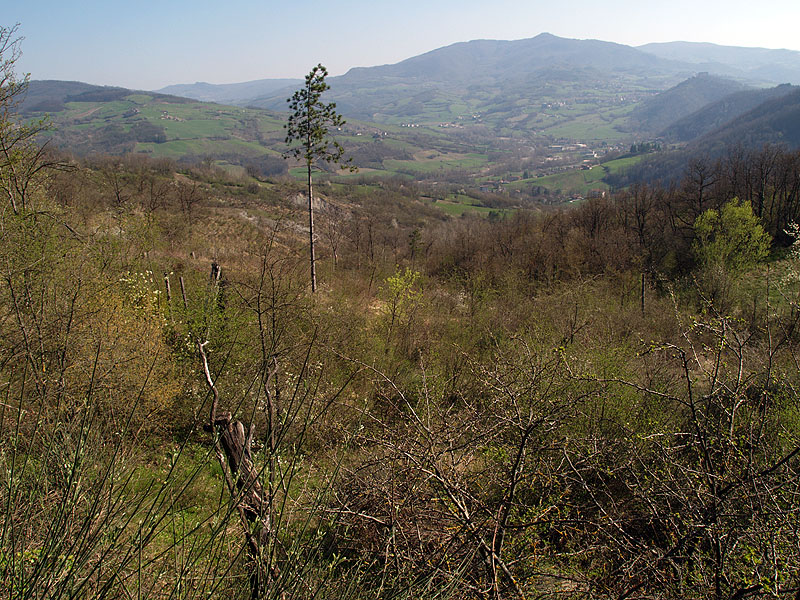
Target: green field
588,128
577,181
202,129
432,161
457,205
451,139
201,146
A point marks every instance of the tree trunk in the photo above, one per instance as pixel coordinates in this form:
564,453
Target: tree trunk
311,232
232,447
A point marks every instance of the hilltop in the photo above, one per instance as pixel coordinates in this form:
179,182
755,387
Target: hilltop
481,62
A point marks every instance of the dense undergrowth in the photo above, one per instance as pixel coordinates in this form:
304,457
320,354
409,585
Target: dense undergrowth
523,408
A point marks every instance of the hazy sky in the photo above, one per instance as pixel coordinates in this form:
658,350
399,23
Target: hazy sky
146,44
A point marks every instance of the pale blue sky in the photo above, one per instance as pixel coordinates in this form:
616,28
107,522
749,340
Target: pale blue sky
146,44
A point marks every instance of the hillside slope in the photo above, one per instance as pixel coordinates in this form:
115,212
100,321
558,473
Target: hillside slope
717,114
775,121
660,111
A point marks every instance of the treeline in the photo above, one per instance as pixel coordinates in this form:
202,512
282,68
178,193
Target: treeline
645,228
766,178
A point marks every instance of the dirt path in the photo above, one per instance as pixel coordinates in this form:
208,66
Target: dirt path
87,113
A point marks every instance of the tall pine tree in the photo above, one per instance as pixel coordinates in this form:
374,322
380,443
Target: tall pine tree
309,139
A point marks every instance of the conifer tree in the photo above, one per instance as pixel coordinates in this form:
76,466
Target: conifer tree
309,139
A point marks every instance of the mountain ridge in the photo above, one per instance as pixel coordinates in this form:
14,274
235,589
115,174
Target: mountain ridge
506,57
228,93
763,65
509,80
489,62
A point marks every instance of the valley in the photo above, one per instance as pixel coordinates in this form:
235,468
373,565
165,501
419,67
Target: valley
529,120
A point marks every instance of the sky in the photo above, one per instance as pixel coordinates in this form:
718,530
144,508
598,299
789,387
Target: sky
147,44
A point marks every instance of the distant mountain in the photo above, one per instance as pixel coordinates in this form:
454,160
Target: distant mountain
717,114
240,94
492,61
660,111
756,64
529,84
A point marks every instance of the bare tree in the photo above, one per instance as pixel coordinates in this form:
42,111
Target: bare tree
21,158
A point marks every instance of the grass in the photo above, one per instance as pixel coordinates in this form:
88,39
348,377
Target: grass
432,161
459,204
140,98
578,181
196,128
457,209
178,148
588,128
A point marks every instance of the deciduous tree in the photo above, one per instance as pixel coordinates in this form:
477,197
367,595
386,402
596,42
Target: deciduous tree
20,158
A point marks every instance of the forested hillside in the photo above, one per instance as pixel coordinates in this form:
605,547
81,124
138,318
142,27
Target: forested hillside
771,129
660,111
716,114
598,401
